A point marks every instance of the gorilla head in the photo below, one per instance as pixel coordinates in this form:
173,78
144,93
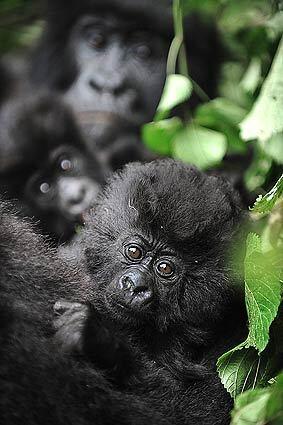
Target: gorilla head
108,57
45,165
156,245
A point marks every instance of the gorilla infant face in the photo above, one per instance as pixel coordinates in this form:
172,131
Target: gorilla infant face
157,241
61,184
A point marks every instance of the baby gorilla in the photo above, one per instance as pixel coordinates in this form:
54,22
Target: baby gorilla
155,247
45,165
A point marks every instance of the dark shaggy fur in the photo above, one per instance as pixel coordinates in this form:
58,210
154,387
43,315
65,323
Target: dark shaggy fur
39,384
163,291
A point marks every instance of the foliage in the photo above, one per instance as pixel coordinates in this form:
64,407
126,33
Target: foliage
250,106
246,117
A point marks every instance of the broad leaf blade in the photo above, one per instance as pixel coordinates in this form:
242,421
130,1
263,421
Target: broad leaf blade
263,294
177,89
200,146
266,117
158,136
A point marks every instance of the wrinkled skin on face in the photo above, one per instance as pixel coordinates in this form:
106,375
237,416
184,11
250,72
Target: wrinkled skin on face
121,70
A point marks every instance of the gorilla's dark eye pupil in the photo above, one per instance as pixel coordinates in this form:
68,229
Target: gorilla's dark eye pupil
44,188
143,51
97,40
134,252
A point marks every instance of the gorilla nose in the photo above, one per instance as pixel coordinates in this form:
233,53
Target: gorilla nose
75,195
136,287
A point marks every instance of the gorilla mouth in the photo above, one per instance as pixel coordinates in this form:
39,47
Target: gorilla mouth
130,308
103,118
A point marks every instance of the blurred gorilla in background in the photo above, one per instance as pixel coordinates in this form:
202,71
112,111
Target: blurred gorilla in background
44,164
108,59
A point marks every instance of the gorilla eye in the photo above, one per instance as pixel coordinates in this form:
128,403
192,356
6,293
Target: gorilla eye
143,51
165,268
66,165
133,252
96,39
44,188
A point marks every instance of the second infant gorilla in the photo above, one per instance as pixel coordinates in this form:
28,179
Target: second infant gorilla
156,248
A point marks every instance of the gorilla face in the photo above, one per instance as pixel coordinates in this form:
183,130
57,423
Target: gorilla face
45,165
121,69
156,245
61,185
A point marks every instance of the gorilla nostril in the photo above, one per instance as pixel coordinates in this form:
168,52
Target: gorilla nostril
126,282
79,196
94,85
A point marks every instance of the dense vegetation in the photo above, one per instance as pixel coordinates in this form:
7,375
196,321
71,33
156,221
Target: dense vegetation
247,120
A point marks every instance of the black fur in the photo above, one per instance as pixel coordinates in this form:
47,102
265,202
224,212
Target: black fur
39,383
174,328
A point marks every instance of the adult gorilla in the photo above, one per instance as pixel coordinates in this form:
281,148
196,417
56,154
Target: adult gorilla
108,57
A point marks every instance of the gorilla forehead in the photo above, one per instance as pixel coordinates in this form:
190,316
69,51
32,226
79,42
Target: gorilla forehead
169,198
155,14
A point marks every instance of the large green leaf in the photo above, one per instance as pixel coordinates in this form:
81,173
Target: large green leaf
244,367
199,146
177,89
158,136
263,294
264,204
223,115
241,369
266,116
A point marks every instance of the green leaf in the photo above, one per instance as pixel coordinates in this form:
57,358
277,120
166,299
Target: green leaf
263,294
158,136
243,368
266,116
274,408
200,146
177,89
250,407
220,109
223,115
260,406
256,174
266,203
275,25
274,147
251,79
